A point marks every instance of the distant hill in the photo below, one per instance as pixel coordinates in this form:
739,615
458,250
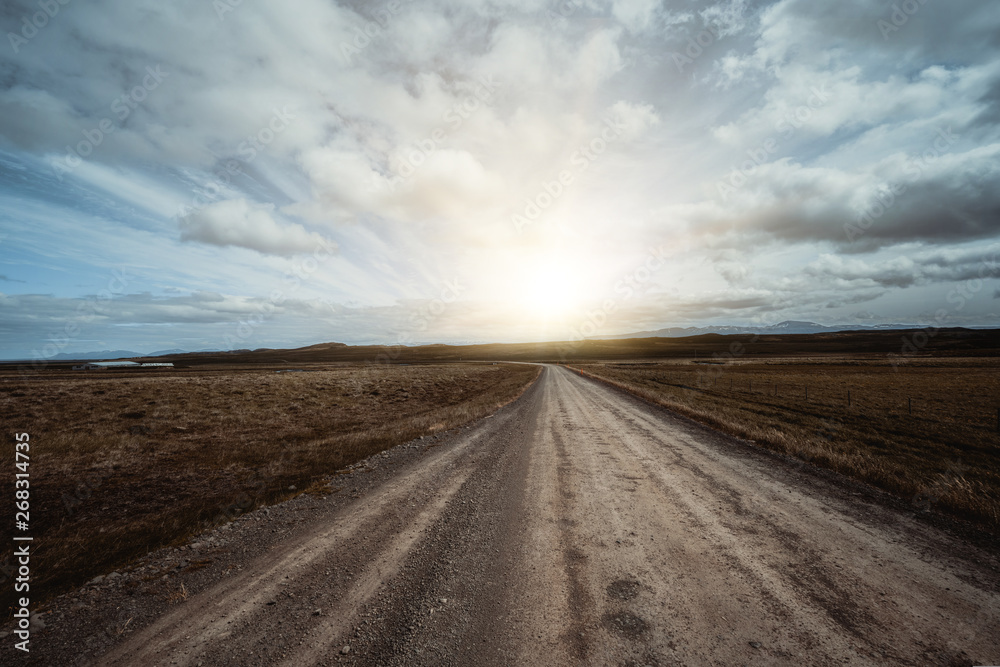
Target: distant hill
782,340
779,343
110,355
160,353
786,327
105,355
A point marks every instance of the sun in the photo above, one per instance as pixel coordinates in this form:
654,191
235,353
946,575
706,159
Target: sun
550,288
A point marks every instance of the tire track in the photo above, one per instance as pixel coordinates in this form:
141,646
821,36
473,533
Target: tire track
581,526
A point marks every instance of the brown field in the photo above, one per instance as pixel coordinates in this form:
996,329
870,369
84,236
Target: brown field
123,462
945,454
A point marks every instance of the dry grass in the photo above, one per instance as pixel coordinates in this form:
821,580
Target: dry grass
124,462
179,595
945,454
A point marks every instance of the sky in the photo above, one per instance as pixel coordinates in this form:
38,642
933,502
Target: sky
240,174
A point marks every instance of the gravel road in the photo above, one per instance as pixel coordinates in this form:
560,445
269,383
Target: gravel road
581,526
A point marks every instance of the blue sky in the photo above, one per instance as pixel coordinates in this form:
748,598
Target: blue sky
214,175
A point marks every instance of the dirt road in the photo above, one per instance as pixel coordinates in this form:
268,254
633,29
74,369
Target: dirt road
579,526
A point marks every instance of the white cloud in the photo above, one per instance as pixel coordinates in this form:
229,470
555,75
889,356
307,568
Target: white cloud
726,19
817,103
237,222
636,15
636,119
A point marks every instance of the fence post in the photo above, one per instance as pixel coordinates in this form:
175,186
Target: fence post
909,405
848,398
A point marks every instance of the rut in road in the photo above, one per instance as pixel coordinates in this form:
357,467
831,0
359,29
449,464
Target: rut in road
579,525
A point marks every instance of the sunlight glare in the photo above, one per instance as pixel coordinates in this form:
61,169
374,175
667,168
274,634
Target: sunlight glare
552,289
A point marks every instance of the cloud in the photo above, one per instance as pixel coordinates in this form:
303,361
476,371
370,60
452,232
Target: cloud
823,35
237,222
932,196
797,158
39,326
34,119
725,19
919,268
635,119
636,15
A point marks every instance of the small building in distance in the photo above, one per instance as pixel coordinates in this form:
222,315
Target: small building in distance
105,365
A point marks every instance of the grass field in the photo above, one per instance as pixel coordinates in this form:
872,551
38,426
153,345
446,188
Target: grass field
126,461
926,430
123,462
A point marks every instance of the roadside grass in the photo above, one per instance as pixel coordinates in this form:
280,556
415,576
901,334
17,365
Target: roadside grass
123,463
946,454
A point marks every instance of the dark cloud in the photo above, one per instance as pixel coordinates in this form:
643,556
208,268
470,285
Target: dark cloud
931,196
990,100
920,268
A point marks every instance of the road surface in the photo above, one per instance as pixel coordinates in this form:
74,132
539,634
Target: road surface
580,526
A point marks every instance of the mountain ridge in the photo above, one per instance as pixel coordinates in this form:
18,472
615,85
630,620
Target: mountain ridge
786,327
112,355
